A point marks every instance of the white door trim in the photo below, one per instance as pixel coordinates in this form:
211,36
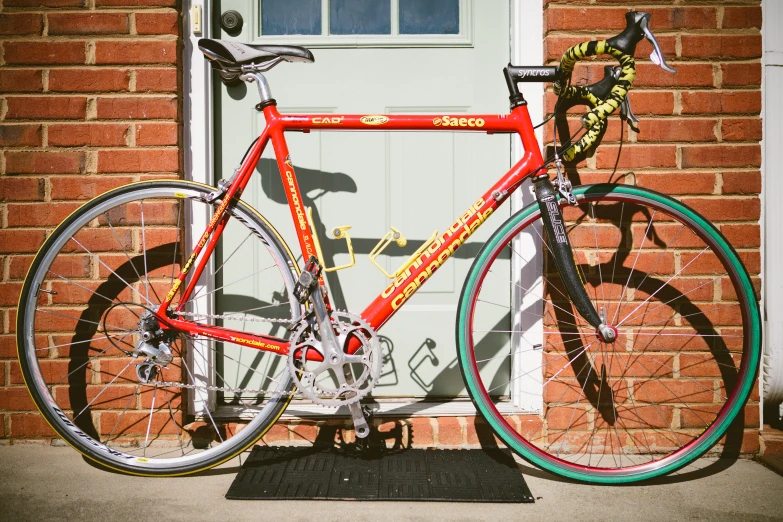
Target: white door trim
526,39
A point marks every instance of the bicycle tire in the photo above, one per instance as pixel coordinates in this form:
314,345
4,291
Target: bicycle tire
57,400
536,436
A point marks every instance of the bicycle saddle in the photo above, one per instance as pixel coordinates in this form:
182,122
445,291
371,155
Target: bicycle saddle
234,54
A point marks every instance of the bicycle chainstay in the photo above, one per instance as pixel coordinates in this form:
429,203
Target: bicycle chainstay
197,316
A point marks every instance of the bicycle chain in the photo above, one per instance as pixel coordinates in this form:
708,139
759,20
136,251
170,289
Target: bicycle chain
197,316
168,384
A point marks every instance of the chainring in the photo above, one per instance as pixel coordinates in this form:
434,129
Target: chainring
342,383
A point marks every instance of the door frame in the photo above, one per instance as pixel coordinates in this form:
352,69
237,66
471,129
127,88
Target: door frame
526,37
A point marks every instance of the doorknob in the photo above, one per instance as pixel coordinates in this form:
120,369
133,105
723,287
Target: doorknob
231,21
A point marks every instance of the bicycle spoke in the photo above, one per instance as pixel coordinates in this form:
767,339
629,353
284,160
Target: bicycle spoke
638,253
104,389
113,272
662,286
206,408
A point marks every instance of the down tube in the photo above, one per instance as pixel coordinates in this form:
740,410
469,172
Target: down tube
427,263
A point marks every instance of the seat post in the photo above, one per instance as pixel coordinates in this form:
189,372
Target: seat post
263,86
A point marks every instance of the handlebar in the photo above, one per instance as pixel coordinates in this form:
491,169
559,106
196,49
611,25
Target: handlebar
605,96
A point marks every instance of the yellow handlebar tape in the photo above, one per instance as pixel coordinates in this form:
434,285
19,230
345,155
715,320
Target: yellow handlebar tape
595,119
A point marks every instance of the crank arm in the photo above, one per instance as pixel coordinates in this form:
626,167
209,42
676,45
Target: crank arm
359,422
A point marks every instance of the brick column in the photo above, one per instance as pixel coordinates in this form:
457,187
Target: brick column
89,100
700,128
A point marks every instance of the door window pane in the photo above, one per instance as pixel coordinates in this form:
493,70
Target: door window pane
359,17
429,16
290,17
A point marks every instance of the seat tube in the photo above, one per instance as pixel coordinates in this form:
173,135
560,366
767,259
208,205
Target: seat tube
290,184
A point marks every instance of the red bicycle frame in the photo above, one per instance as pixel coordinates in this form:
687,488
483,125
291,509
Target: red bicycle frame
407,283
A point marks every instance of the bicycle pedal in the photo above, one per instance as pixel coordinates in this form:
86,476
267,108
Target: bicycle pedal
308,280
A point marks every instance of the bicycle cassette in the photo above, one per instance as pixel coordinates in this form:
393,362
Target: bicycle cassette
338,382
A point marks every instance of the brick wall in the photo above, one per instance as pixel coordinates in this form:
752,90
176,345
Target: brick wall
700,128
89,100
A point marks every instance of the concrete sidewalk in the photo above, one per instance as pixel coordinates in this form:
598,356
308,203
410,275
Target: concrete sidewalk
55,483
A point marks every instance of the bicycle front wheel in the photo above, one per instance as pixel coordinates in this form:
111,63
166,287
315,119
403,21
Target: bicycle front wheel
78,330
680,370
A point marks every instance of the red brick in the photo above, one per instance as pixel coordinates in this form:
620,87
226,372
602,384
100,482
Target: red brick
157,23
7,347
741,129
421,432
16,399
143,160
21,80
721,46
652,102
89,80
44,162
133,52
726,102
21,23
47,53
748,445
49,215
59,107
30,425
88,23
137,108
156,134
721,156
681,18
677,130
742,17
577,18
17,241
742,235
22,189
44,3
20,135
744,74
742,182
90,134
70,187
156,80
677,182
637,156
9,293
726,209
449,431
688,74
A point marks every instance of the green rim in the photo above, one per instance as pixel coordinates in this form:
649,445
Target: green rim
702,443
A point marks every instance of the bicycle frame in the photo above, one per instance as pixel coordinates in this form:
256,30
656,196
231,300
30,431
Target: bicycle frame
407,283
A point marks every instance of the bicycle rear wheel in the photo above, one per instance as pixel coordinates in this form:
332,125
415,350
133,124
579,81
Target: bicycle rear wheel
665,391
80,308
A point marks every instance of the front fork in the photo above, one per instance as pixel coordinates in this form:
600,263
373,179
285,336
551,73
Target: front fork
560,247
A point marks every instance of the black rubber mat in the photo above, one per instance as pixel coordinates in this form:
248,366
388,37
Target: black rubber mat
324,473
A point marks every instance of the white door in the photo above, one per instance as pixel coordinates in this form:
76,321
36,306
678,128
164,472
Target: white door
440,57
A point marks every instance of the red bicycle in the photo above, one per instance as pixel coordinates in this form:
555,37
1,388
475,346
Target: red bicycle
651,330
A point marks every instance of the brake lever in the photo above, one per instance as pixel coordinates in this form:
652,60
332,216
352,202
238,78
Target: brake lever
627,114
656,56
